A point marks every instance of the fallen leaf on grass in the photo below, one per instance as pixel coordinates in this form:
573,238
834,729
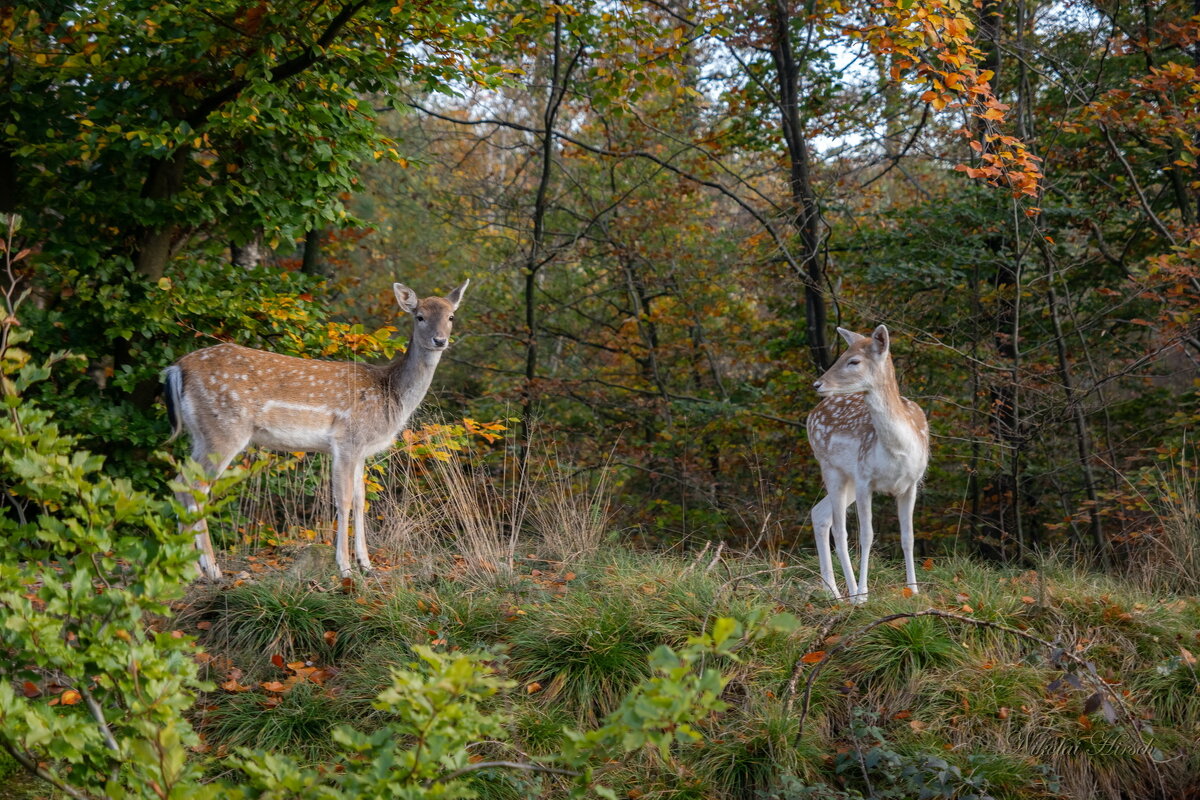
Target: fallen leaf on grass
815,657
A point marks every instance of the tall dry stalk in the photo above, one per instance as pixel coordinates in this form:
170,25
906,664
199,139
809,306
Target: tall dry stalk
571,521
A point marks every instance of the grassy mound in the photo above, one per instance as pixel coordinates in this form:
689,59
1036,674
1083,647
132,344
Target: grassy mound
1047,683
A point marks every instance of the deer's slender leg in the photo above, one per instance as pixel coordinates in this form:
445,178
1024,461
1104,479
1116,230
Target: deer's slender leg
215,458
866,535
360,520
822,521
904,508
343,498
840,496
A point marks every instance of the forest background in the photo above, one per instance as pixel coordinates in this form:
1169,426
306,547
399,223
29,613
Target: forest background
665,207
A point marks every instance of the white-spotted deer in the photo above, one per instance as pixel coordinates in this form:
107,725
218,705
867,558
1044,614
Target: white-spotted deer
868,440
229,397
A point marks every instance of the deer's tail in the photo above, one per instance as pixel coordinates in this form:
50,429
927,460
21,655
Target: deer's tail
172,378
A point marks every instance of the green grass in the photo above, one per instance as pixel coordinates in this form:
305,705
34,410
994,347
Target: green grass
974,695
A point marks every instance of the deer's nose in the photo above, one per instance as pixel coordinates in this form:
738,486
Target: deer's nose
817,385
439,342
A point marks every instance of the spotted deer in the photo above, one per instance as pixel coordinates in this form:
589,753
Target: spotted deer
229,397
868,440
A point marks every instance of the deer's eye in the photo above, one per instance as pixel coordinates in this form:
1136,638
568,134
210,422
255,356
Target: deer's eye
854,362
420,318
452,318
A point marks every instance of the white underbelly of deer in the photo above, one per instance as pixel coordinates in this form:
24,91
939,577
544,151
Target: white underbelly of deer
295,427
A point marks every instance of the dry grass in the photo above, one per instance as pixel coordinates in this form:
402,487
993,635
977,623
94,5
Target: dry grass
473,513
571,514
1166,556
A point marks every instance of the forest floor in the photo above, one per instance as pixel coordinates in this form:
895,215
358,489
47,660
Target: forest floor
1011,683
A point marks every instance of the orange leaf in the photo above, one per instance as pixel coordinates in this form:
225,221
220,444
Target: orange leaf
1002,713
1027,600
277,660
533,687
927,564
274,686
204,626
906,592
232,685
330,638
70,697
815,657
30,689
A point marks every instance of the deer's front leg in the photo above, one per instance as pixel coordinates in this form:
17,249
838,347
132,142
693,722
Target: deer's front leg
822,522
343,497
360,521
866,535
905,503
840,498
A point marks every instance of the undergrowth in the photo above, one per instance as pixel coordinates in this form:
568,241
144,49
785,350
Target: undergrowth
950,708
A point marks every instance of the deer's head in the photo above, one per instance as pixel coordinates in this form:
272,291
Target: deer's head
866,364
433,317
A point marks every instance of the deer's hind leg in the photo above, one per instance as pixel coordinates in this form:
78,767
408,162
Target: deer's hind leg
215,455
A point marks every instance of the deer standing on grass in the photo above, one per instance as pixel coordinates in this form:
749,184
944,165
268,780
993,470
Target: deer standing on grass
229,397
868,440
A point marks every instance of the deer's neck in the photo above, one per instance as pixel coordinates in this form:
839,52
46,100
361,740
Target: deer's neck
890,416
409,377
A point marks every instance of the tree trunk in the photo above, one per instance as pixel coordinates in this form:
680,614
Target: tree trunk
250,254
311,264
534,261
163,180
806,215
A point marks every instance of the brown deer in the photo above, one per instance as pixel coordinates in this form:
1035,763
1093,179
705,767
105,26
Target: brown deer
229,397
868,440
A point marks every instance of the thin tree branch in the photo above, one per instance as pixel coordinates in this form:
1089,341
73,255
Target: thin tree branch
33,767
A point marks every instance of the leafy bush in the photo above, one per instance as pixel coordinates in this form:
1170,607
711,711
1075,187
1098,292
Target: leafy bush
92,692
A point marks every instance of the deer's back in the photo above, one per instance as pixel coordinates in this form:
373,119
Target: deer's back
281,401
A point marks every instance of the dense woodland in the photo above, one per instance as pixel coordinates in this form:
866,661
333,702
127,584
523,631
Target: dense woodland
665,208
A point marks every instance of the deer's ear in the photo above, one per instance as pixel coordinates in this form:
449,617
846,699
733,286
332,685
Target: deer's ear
881,338
456,296
406,297
850,336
